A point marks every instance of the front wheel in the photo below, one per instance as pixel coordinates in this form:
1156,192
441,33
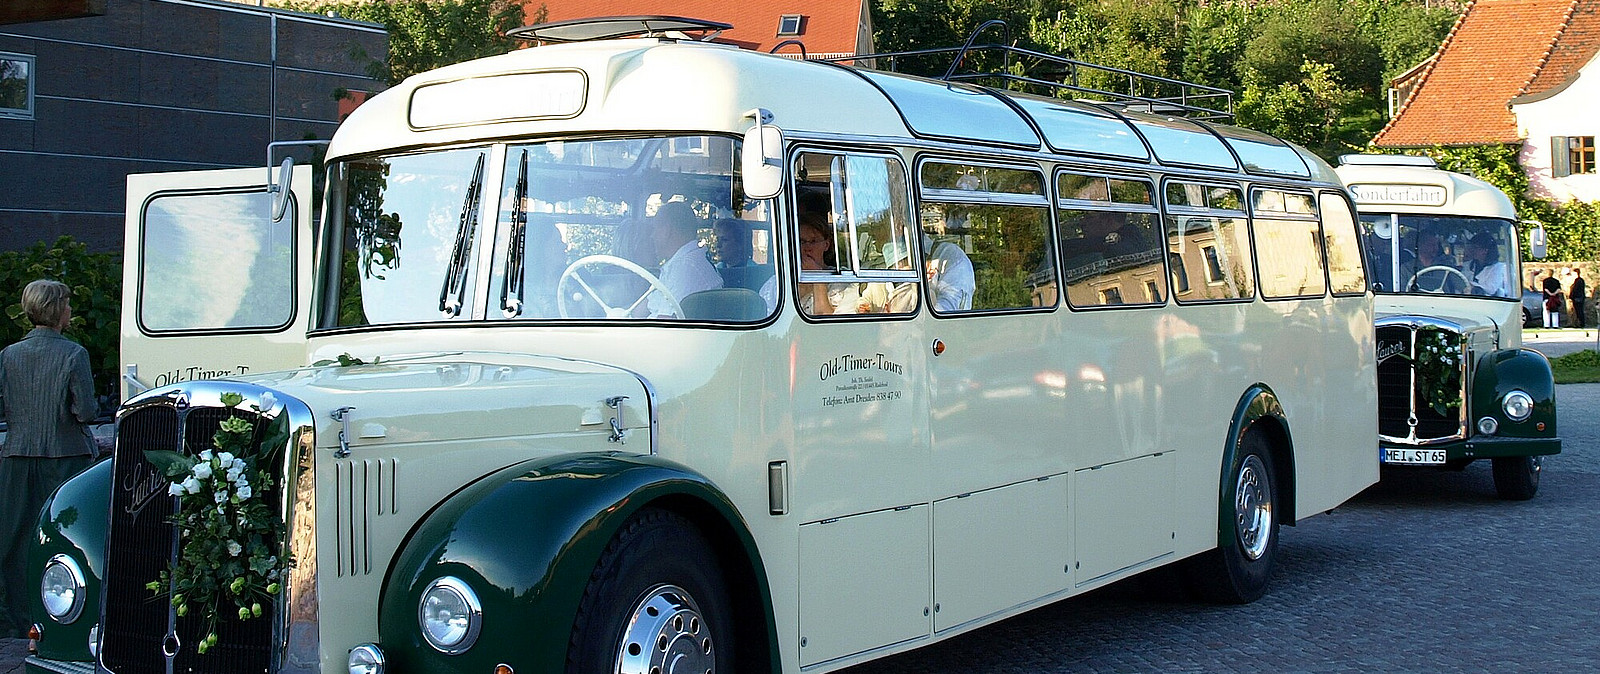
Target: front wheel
655,604
1516,478
1237,571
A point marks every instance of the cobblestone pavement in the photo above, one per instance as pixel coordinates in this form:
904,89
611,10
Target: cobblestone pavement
1425,572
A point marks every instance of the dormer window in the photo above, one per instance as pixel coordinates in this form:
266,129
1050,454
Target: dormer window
790,24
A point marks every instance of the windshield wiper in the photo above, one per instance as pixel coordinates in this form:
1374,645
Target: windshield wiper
509,305
454,293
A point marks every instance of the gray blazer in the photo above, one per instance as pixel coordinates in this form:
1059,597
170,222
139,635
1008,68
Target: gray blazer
46,397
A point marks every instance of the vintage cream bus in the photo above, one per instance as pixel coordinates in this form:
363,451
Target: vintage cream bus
649,354
1454,383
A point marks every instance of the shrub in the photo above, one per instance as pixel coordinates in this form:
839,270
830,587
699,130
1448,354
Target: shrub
96,282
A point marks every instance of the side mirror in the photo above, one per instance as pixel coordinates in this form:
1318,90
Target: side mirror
761,159
1536,240
280,191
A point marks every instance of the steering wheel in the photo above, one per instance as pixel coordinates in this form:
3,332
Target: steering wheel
1443,278
571,289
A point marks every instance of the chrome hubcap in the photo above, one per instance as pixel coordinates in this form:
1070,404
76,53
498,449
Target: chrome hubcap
666,634
1252,508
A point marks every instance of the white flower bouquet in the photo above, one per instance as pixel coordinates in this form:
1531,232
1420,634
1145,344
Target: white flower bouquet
230,536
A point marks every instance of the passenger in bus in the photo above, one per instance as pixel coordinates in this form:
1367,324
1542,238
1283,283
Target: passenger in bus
730,244
1487,271
903,297
816,254
688,268
951,281
891,297
733,255
546,255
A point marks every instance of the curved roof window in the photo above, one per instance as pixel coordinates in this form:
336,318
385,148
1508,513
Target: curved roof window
1180,141
1262,153
954,110
1079,128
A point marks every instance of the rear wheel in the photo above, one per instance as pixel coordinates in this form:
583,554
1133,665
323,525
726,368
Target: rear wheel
1516,478
1237,571
656,604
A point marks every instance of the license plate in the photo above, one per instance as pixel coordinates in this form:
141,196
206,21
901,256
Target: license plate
1413,456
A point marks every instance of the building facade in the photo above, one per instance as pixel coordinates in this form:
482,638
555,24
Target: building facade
1521,72
155,86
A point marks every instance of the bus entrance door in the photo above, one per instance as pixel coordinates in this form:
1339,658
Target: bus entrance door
213,287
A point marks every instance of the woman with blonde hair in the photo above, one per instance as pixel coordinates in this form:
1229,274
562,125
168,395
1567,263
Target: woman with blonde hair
47,400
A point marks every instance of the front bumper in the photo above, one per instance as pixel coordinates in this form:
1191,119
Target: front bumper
1487,447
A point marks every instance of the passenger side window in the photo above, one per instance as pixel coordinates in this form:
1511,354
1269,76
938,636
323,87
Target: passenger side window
1288,243
986,238
1110,243
1346,274
1209,241
854,238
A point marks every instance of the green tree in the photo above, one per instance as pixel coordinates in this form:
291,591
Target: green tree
1318,31
427,34
1214,41
1316,111
1140,35
1407,32
906,25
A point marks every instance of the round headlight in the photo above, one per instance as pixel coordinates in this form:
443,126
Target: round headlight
61,589
1488,426
1517,405
366,659
450,615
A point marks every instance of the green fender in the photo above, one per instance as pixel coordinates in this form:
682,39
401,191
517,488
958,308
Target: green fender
1257,408
72,522
1499,373
526,540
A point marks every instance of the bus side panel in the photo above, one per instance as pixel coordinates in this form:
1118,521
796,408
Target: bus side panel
1335,457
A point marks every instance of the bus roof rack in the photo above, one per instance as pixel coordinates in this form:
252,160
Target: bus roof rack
1387,160
612,27
1054,75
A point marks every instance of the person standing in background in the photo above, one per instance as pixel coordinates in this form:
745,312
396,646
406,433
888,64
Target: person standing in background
47,400
1578,290
1552,300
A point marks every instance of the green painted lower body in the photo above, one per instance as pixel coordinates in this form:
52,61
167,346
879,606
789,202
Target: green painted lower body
1487,448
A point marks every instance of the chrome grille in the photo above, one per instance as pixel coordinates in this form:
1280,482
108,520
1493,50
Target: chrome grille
142,544
1401,398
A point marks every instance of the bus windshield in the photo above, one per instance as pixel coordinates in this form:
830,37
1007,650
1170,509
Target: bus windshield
644,229
1448,255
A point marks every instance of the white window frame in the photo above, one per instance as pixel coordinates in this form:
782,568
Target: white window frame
784,22
25,112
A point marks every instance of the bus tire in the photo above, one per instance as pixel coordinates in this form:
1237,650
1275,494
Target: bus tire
1516,478
656,602
1237,570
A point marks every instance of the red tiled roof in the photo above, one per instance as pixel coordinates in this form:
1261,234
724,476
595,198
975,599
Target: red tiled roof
1573,49
1494,52
828,27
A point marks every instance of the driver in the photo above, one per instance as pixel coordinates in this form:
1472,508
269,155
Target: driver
1430,255
675,230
